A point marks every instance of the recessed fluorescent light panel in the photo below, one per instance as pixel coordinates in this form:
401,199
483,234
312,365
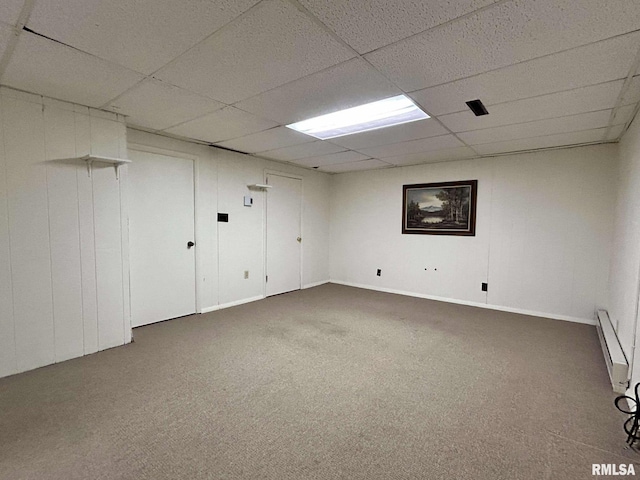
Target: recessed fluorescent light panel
371,116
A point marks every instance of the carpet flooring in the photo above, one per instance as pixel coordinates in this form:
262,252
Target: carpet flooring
331,382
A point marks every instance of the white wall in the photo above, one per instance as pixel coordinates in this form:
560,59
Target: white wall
226,250
625,262
63,262
542,241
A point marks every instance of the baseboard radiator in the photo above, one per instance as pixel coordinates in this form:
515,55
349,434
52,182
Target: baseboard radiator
614,357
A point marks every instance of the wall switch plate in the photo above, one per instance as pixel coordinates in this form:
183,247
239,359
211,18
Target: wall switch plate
248,201
485,287
379,272
246,274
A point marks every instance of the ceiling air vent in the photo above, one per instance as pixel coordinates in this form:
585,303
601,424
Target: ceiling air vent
477,108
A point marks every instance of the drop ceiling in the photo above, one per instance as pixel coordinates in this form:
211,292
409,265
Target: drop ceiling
232,73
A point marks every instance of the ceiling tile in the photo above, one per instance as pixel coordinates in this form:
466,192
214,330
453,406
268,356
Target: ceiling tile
562,139
278,137
580,100
502,35
607,60
349,84
223,124
413,146
10,11
296,152
447,154
370,24
332,159
142,35
371,164
49,68
572,123
632,95
615,132
272,44
157,105
399,133
624,114
5,35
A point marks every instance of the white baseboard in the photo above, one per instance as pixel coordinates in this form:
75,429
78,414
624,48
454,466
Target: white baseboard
533,313
210,309
315,284
231,304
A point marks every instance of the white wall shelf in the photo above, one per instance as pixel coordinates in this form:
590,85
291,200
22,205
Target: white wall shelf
91,159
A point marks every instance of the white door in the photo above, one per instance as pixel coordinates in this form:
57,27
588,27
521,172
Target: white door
284,209
161,225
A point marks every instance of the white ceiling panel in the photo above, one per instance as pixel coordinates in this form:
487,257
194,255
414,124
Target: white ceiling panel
632,95
10,11
48,68
501,35
370,24
580,100
5,35
142,35
371,164
296,152
615,132
444,155
349,84
399,133
623,114
272,44
573,123
157,105
324,160
223,124
587,65
562,139
272,139
414,146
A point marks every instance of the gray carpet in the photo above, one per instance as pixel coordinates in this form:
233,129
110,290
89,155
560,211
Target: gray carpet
327,383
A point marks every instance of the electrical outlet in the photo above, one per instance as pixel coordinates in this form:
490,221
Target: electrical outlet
485,287
246,274
379,272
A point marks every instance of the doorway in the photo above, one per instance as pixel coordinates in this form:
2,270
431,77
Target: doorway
284,234
161,237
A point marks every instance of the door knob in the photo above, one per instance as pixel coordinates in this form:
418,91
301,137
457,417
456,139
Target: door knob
299,239
190,244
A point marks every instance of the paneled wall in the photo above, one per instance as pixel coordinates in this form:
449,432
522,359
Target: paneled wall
226,250
542,243
63,255
625,262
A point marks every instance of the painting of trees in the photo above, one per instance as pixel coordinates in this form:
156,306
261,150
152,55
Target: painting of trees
446,208
455,203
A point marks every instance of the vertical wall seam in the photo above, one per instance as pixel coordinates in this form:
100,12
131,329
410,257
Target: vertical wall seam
6,181
46,176
95,250
490,223
82,299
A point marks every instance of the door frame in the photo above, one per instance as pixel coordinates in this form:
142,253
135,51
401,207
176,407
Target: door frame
196,160
280,173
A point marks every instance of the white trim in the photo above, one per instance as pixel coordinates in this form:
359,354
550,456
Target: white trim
553,316
315,284
240,302
210,309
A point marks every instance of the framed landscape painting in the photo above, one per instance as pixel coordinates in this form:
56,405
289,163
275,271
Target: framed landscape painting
446,208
